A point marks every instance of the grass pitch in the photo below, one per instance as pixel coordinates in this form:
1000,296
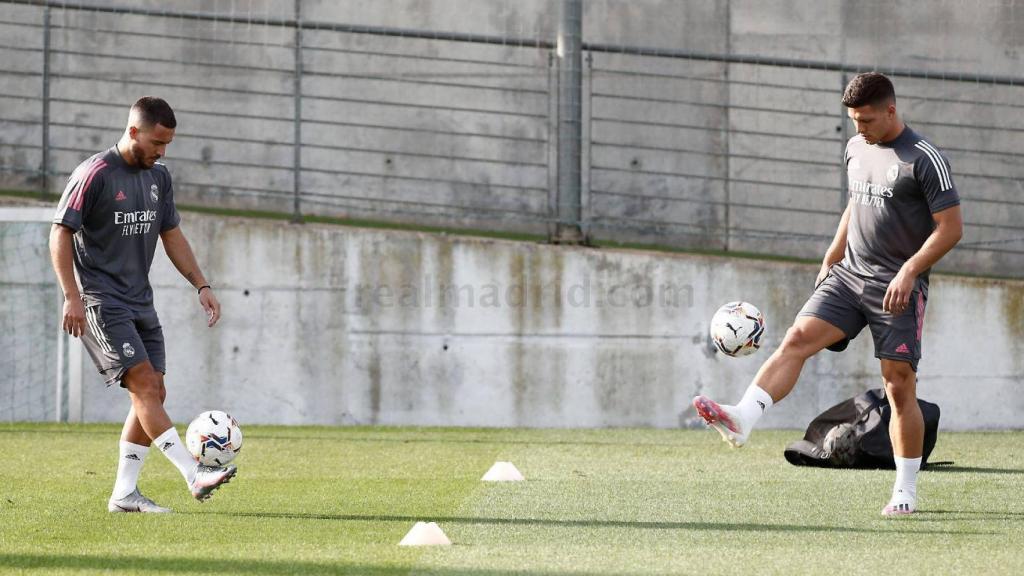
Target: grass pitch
338,500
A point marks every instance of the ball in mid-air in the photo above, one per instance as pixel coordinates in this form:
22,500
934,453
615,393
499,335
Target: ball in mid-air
736,329
214,438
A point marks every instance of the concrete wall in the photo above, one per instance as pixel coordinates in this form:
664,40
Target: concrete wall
334,325
680,152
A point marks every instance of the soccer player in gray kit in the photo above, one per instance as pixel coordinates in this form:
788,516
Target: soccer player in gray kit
903,215
117,204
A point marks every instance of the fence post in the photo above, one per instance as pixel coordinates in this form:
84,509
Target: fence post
58,400
570,123
587,149
551,148
297,168
843,128
844,131
45,162
727,131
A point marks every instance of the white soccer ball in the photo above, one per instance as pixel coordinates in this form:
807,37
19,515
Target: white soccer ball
736,329
214,438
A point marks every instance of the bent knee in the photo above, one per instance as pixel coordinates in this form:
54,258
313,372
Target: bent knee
798,342
144,381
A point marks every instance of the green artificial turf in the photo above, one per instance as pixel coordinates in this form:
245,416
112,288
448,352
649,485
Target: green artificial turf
317,500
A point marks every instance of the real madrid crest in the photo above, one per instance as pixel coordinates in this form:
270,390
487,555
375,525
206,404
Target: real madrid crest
154,193
893,173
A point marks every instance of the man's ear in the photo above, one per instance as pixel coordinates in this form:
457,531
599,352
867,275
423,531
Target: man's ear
133,132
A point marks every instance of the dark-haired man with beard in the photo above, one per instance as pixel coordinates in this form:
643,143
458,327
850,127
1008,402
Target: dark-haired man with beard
117,204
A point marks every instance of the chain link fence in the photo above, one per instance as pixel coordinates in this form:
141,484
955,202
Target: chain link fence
688,131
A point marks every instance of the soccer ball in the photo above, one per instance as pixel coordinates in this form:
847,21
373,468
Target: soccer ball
736,329
214,438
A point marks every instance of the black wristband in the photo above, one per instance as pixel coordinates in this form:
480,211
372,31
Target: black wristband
200,290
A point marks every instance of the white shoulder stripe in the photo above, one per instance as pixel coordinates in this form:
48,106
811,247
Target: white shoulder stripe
938,159
940,166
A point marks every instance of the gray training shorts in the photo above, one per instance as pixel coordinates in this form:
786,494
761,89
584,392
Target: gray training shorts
850,303
118,337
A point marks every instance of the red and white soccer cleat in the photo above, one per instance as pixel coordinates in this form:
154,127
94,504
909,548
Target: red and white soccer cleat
723,418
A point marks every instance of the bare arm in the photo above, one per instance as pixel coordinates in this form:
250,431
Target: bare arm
61,246
949,228
180,252
837,249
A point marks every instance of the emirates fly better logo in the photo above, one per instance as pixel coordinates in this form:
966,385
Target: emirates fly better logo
868,194
135,221
865,192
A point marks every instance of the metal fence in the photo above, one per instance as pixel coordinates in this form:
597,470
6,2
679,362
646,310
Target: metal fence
286,111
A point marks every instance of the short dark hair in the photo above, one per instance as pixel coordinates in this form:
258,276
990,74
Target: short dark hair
153,111
869,88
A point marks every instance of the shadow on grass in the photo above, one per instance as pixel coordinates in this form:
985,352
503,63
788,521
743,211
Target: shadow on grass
950,515
140,564
545,522
974,470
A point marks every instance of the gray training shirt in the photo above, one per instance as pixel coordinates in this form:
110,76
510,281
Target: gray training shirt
895,188
117,213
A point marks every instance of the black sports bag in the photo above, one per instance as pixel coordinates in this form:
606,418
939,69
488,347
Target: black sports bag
855,434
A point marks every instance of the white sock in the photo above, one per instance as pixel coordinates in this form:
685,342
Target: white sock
906,478
754,403
171,445
128,467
